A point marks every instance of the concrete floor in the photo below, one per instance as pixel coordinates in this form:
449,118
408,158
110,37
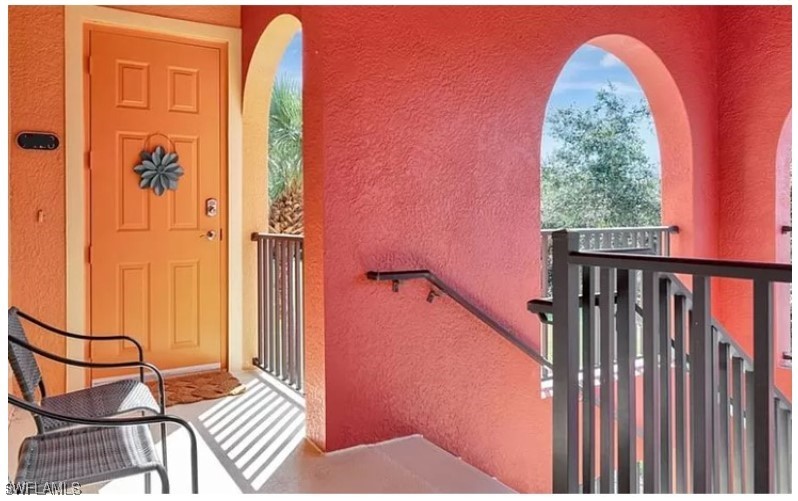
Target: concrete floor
255,442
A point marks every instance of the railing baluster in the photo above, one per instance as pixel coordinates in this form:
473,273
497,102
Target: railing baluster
272,324
665,382
723,417
299,302
782,446
787,441
627,354
688,397
737,416
566,365
280,311
286,327
545,259
290,312
588,391
651,387
680,409
261,302
750,405
607,319
764,474
702,396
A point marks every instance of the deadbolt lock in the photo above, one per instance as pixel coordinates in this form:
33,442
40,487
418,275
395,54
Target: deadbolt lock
211,207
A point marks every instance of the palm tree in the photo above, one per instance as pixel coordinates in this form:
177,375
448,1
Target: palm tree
285,158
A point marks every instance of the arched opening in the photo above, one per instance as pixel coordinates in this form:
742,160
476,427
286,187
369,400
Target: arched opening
284,149
783,221
620,158
670,138
259,89
600,155
687,226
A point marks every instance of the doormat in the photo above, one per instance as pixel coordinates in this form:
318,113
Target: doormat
196,387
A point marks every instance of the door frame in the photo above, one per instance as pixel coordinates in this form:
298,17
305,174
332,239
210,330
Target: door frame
77,19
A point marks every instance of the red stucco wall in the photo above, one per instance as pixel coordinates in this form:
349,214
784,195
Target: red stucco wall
754,99
422,130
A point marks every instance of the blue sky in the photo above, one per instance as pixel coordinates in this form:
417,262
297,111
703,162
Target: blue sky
291,63
589,69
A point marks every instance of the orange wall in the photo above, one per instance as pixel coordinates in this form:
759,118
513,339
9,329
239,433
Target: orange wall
37,253
223,15
422,146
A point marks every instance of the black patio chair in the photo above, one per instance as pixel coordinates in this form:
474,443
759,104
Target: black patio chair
107,400
103,449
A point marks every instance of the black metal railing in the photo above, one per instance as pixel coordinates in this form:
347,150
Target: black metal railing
280,308
655,238
439,287
652,239
705,437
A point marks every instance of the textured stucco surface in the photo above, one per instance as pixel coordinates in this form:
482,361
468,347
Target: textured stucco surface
422,138
37,282
422,130
754,99
222,15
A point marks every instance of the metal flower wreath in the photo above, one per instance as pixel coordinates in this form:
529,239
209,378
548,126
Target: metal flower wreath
158,170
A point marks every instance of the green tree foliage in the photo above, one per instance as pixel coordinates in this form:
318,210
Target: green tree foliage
285,137
599,174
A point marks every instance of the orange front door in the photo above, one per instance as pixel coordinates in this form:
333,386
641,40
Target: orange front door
157,262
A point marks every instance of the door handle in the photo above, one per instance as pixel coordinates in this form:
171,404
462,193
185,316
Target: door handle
209,235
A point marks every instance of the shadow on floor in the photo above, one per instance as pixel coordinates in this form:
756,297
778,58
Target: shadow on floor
253,434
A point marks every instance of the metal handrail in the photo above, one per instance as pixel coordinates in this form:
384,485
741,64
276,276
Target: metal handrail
669,229
442,287
750,270
258,235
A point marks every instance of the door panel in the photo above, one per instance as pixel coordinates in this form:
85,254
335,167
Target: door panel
155,273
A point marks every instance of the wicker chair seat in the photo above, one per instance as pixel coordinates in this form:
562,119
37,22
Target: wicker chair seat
87,455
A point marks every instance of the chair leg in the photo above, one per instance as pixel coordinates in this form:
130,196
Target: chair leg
163,444
147,477
194,472
194,468
164,479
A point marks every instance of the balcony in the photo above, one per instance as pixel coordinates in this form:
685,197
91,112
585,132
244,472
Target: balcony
255,443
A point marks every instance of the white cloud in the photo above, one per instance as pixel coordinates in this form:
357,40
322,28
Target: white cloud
620,87
609,60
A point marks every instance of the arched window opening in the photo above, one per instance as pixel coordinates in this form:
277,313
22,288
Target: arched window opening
600,155
783,292
273,275
285,143
617,157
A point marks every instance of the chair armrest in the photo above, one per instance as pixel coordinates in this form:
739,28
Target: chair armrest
114,422
60,332
98,365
